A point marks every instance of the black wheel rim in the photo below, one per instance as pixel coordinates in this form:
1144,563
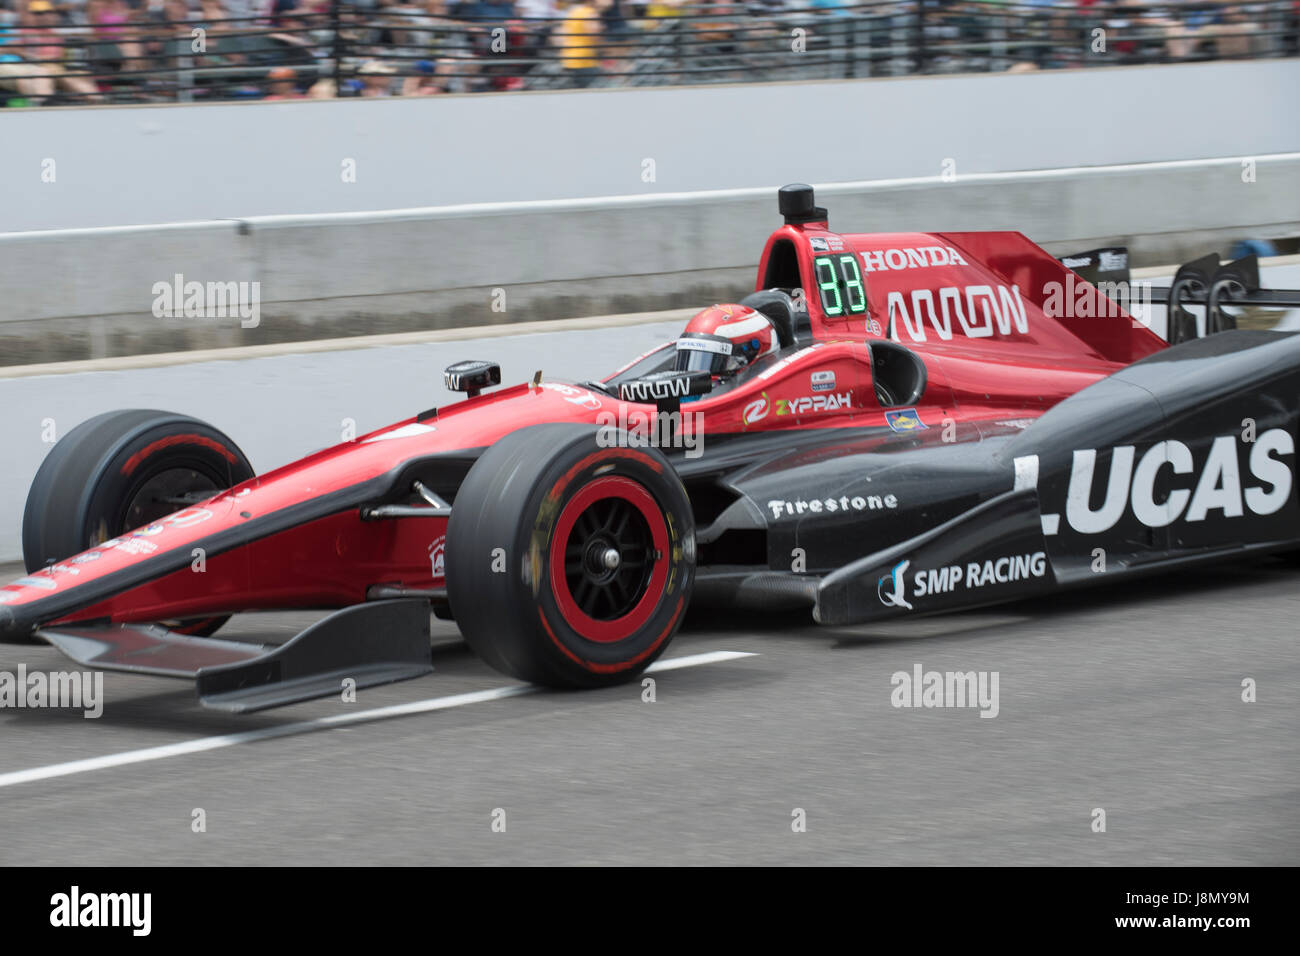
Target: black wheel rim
162,494
608,559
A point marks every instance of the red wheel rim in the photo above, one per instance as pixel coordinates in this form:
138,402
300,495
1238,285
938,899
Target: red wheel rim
603,601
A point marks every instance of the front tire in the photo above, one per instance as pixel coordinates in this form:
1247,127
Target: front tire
568,563
122,470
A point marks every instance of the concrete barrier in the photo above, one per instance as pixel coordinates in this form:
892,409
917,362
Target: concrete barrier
78,294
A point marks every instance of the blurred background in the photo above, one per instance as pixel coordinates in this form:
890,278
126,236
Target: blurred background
152,51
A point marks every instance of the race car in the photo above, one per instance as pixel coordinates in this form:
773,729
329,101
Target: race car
891,424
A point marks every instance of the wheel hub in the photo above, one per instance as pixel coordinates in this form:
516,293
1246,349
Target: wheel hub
603,557
163,493
608,558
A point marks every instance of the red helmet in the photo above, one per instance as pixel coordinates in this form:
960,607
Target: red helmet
724,339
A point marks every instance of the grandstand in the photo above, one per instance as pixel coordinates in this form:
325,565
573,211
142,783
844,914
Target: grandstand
77,52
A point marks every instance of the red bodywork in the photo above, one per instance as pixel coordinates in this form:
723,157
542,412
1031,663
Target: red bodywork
970,305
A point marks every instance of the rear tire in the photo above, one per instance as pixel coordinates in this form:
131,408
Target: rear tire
113,473
569,564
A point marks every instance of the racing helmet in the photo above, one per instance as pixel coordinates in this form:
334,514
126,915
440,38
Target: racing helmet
723,339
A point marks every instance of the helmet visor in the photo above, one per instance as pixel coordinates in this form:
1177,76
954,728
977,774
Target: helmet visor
701,353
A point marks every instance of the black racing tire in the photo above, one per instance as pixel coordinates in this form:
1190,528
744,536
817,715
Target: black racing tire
105,477
528,563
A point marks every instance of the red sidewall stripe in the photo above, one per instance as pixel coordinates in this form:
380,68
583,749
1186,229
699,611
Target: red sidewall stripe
620,628
171,441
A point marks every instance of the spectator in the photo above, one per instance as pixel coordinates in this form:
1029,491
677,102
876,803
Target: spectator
665,8
281,85
537,9
1157,26
214,11
247,10
487,11
142,49
323,89
118,47
429,79
487,18
539,20
218,46
44,54
15,75
618,32
613,19
376,78
168,29
438,31
1233,32
717,34
579,42
441,38
281,12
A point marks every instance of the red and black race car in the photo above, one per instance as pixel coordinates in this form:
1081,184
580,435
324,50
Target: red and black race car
944,420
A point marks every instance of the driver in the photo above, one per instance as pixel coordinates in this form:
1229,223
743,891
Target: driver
723,339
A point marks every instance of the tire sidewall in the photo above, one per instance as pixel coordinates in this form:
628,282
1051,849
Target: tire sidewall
85,478
499,546
124,471
563,481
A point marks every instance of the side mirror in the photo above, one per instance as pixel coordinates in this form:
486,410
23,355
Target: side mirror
471,377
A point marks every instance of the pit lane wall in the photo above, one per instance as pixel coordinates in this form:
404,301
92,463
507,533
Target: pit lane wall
77,294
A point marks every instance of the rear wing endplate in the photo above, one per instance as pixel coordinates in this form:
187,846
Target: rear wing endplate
1205,282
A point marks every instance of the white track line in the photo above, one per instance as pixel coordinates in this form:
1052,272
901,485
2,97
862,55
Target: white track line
202,744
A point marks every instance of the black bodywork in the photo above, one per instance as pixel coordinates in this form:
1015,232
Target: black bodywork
997,498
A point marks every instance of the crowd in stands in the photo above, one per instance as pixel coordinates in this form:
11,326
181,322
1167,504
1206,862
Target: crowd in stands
56,52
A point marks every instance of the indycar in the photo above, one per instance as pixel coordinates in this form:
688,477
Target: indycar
950,420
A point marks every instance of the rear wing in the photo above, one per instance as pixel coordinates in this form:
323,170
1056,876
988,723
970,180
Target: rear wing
1202,282
1073,306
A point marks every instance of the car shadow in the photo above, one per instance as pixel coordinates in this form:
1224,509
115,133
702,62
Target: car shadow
1222,579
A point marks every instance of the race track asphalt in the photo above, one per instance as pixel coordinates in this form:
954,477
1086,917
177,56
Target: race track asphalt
1127,699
